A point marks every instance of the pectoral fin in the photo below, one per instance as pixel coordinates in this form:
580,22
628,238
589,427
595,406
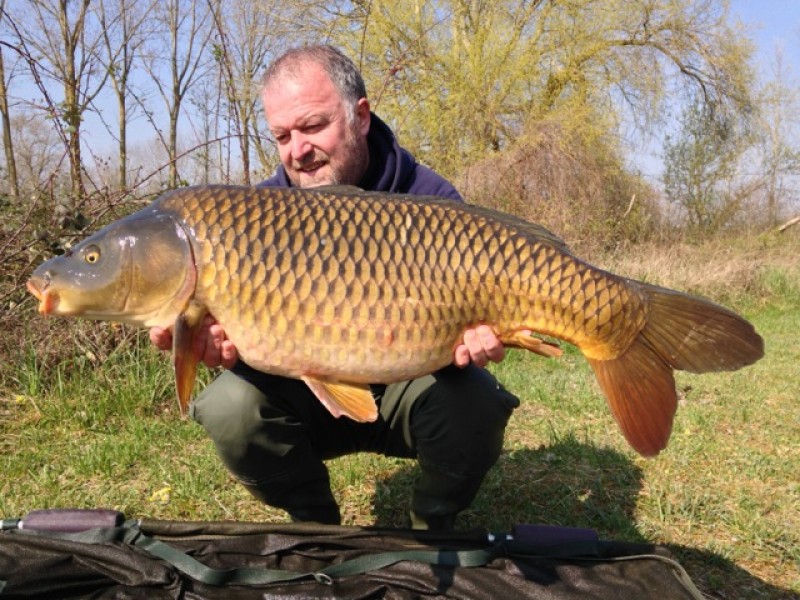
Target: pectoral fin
523,339
352,400
184,358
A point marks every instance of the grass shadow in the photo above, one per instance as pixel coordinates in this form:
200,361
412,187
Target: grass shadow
574,484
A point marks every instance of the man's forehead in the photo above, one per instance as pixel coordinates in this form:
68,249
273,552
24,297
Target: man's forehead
289,100
308,80
300,116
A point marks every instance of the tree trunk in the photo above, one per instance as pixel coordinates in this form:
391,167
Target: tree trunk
8,144
72,111
789,223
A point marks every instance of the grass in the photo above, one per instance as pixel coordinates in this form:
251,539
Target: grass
724,496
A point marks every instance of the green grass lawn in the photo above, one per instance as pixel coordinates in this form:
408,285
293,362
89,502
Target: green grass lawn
725,494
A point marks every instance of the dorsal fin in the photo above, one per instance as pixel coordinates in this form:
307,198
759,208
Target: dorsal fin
339,188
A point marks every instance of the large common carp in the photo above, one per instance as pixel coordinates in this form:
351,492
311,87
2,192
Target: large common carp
342,288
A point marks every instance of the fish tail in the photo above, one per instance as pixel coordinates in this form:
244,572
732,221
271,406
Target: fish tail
682,332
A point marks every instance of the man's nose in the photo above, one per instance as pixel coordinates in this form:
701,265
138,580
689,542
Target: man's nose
301,146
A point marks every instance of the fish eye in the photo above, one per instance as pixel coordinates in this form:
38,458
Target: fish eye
91,255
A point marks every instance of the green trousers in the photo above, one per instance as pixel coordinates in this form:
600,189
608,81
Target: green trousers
274,436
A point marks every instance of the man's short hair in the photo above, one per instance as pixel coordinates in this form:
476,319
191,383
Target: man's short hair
342,72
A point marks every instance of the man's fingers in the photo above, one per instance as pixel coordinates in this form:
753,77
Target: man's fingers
209,342
219,351
211,345
161,338
492,347
228,354
480,346
474,344
461,356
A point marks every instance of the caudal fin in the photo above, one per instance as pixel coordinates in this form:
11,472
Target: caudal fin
682,332
696,335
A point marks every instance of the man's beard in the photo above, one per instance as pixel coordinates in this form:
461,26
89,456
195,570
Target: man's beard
347,171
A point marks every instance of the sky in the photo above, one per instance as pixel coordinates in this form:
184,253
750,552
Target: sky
771,24
774,23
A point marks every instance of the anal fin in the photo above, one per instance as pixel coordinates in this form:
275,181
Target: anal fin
353,400
640,389
524,340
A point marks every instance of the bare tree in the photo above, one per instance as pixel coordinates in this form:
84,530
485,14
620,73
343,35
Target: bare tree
39,152
60,41
776,153
122,25
186,32
8,144
207,102
247,35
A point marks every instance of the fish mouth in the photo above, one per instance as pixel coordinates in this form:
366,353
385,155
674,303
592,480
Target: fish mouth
48,299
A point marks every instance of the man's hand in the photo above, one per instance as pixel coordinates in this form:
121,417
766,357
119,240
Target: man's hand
211,346
480,346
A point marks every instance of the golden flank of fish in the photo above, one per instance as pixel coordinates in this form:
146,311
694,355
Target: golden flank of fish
342,288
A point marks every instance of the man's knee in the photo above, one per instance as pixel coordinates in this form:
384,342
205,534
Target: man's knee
228,409
264,446
460,424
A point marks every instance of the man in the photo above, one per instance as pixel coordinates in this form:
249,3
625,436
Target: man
271,432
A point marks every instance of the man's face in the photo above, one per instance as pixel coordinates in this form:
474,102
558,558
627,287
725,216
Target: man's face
316,142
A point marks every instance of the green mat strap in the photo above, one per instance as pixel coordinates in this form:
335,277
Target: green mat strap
133,536
354,566
257,575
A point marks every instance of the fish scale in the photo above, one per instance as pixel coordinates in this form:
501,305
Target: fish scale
343,288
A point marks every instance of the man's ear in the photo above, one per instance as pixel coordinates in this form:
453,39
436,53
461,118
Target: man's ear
363,116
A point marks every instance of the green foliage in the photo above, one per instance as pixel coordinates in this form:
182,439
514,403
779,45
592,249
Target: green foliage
520,102
699,164
463,79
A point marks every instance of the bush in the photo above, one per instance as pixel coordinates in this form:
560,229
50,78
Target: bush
577,188
32,231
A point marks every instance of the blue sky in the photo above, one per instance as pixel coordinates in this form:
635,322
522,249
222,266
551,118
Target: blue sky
773,23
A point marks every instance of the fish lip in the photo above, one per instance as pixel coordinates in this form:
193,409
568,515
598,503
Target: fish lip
33,288
47,299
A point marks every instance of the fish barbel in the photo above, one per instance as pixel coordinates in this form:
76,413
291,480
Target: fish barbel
343,288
